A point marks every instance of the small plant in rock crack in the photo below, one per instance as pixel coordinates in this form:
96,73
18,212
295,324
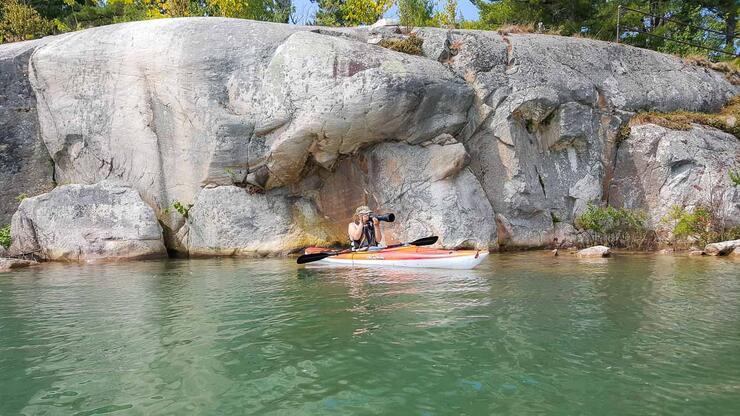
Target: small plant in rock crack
181,208
5,236
21,197
734,177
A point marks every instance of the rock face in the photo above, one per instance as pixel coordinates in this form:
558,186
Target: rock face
543,129
25,166
722,248
275,133
270,100
227,220
595,251
87,222
430,189
657,168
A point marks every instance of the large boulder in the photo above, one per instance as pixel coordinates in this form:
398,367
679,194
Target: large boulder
657,168
228,220
722,248
595,251
87,222
25,165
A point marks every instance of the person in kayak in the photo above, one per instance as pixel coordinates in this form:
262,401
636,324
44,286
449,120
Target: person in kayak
364,230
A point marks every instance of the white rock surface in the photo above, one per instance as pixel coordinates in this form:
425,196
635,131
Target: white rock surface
722,248
228,220
87,222
595,251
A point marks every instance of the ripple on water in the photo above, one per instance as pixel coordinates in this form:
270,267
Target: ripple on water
523,334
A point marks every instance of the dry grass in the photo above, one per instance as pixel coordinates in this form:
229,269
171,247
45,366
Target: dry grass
410,44
728,119
731,69
514,29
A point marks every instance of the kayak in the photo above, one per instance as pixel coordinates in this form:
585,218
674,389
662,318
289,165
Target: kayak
406,256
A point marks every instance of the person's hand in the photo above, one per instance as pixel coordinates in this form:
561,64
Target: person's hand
376,222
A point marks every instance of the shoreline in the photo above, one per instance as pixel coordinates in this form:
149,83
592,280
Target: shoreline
8,265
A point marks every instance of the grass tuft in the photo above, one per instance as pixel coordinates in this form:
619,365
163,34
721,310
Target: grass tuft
727,120
410,45
731,69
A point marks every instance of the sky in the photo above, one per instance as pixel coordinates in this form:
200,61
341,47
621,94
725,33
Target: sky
305,10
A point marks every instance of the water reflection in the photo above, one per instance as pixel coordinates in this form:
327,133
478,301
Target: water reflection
526,333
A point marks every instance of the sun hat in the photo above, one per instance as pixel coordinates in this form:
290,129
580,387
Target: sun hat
364,209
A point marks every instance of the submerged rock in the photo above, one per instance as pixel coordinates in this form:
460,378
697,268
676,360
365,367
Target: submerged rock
595,251
722,248
7,265
87,222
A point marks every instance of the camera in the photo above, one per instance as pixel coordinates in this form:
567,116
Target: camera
385,217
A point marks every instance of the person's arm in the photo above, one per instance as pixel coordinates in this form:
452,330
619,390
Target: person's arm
378,232
354,231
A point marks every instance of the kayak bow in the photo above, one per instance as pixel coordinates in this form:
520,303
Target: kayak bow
407,256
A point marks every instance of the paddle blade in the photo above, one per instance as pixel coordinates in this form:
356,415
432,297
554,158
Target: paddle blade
308,258
426,241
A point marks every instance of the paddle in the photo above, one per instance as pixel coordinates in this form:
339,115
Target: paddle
308,258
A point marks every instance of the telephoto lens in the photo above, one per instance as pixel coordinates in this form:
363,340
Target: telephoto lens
386,217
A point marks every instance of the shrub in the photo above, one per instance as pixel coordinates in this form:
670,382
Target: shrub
614,227
410,44
5,236
698,226
19,21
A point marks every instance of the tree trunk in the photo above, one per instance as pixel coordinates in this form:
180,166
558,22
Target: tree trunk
731,25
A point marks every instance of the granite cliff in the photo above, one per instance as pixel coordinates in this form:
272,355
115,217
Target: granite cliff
274,133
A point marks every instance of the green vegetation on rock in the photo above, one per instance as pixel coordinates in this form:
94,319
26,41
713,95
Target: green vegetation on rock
5,236
700,226
728,119
410,44
734,177
614,227
181,208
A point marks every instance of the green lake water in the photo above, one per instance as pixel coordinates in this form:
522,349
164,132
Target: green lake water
523,334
